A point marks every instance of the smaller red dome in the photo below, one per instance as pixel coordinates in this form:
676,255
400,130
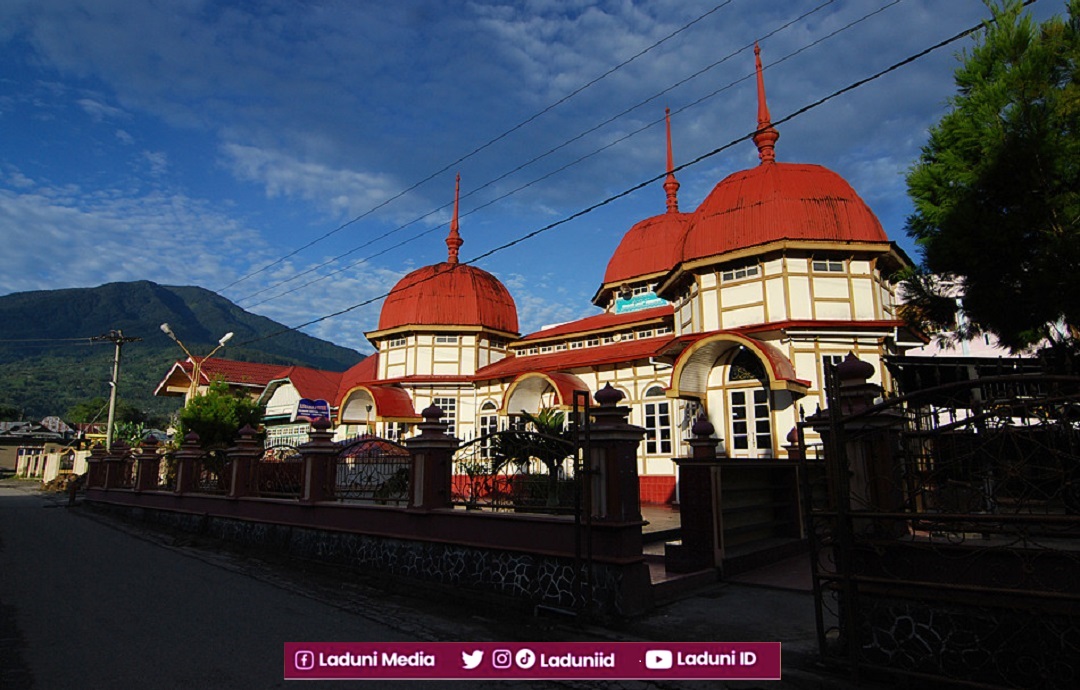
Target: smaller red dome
650,247
449,294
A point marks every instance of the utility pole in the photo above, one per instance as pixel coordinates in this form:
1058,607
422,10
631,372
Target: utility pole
117,338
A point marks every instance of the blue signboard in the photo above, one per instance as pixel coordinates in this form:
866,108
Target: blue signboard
646,300
312,409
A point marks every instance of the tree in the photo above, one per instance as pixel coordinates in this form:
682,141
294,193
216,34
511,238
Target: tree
97,410
997,187
550,442
218,415
10,413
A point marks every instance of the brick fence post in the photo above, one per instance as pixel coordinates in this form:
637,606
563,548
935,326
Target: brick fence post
95,467
148,467
699,548
243,457
432,463
116,462
186,464
614,485
319,457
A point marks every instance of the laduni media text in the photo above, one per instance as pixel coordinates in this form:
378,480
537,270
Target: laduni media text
376,660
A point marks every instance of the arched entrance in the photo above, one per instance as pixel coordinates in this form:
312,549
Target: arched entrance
747,388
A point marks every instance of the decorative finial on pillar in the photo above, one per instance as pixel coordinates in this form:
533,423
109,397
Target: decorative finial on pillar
671,185
766,135
453,240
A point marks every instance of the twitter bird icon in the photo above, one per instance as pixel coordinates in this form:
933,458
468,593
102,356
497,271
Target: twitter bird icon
471,661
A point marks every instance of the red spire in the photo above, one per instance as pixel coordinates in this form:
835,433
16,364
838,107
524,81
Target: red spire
453,240
766,135
671,185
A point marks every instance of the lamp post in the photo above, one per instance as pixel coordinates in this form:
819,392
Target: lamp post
196,363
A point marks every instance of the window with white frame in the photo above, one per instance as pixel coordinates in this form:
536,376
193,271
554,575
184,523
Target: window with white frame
396,342
828,265
738,273
446,340
396,431
449,415
657,422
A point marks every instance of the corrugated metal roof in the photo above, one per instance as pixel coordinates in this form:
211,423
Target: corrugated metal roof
448,294
598,322
779,201
650,247
626,351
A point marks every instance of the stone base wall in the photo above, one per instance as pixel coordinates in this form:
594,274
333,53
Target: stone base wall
611,590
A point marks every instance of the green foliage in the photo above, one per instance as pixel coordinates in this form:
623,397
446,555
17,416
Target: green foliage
130,433
10,413
97,410
997,187
218,415
548,441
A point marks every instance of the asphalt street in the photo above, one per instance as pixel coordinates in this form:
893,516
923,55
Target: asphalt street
88,601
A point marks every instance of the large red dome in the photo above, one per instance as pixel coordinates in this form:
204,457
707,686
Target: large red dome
779,201
449,294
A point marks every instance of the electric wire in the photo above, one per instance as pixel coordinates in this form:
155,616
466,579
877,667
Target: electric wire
630,190
554,149
482,147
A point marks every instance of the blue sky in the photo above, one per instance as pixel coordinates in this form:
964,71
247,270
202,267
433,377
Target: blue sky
194,143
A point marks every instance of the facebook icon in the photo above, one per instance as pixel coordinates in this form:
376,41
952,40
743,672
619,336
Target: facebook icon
304,660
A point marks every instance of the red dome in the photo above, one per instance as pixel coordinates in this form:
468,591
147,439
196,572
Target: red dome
651,247
449,294
779,201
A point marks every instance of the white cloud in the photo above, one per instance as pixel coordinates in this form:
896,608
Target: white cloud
99,111
338,191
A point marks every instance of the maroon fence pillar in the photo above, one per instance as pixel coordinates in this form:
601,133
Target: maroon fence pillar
95,468
116,465
187,464
319,457
148,467
432,463
699,547
615,487
243,457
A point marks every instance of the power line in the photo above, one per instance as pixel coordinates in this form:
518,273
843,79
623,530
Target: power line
480,148
589,209
553,150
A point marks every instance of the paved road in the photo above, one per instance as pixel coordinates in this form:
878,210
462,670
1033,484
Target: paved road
85,605
92,602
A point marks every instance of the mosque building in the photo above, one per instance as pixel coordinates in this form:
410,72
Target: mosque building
730,311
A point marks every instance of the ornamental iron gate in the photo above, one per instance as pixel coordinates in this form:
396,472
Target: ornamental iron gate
945,533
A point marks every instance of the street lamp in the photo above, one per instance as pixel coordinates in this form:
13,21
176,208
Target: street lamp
196,363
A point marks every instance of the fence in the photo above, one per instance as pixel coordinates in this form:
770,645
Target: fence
946,532
375,505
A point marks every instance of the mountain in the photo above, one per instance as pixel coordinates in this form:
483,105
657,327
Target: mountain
47,362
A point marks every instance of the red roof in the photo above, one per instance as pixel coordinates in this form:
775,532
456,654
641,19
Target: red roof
449,294
649,248
364,371
625,351
597,322
313,383
779,201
